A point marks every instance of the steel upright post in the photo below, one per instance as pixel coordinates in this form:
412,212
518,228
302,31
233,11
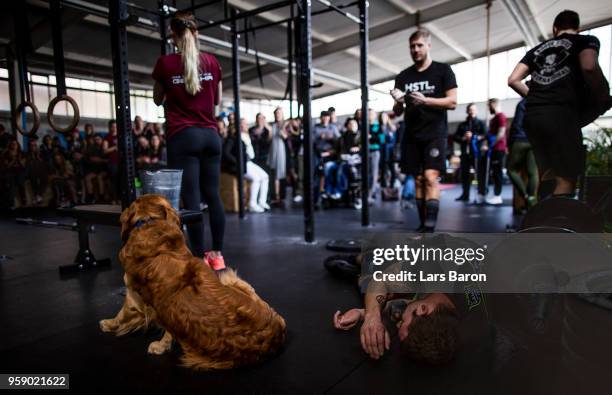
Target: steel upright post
117,19
236,79
306,95
365,127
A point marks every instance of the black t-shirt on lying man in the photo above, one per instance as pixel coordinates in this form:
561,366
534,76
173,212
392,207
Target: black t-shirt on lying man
423,122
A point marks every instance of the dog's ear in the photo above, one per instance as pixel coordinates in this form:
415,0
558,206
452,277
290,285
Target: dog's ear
172,215
126,218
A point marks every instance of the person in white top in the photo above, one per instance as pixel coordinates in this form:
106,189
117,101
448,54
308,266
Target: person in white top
256,175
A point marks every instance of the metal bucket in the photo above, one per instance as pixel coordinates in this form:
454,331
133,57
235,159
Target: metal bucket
165,182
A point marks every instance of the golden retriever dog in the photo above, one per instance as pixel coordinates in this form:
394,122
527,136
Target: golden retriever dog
218,320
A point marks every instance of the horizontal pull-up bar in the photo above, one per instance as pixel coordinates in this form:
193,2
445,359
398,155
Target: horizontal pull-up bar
198,6
102,11
287,20
340,11
215,42
169,12
265,25
247,14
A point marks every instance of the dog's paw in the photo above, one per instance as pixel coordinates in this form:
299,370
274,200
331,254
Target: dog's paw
109,325
159,347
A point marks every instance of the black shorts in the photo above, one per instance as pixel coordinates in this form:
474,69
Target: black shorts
419,156
555,136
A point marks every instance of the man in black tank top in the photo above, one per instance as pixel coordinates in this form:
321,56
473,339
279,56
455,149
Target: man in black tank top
567,91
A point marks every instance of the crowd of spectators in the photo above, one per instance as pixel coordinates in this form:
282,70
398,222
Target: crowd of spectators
273,155
83,167
77,168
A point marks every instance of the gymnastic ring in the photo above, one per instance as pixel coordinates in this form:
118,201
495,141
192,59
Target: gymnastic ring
20,108
75,118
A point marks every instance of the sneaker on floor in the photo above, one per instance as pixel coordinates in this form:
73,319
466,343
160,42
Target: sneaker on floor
343,266
265,206
495,200
371,201
256,209
480,199
336,196
297,199
217,263
462,198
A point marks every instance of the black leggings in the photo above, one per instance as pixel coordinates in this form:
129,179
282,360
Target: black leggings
197,151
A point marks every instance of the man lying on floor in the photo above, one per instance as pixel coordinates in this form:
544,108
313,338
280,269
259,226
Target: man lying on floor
431,326
427,327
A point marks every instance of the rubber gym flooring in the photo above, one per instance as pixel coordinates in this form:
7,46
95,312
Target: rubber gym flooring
50,325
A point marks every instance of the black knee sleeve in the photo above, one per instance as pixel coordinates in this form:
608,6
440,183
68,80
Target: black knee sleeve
431,213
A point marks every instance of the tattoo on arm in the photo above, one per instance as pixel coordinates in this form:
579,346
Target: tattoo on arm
381,299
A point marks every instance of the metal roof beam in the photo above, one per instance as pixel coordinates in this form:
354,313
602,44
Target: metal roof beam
378,31
434,30
401,23
540,28
521,21
251,74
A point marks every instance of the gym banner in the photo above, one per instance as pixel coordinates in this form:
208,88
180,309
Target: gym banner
525,263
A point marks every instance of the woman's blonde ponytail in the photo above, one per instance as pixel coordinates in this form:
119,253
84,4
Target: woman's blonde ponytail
190,55
184,27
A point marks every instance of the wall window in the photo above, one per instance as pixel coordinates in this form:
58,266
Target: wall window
604,34
95,98
5,101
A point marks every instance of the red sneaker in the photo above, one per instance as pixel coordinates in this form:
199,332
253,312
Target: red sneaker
217,263
205,260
